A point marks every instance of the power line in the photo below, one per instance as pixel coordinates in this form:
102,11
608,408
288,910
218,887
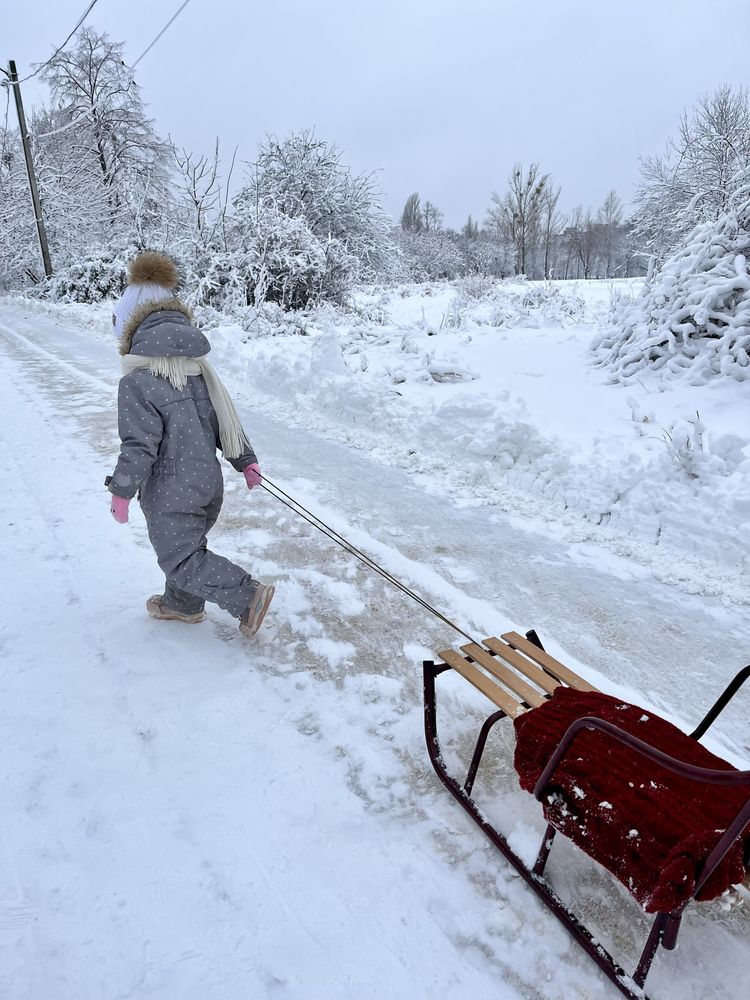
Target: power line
167,25
59,48
70,125
78,24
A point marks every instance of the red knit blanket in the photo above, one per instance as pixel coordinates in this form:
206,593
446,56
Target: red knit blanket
650,827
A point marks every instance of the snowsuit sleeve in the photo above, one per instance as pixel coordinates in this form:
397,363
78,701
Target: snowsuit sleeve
141,430
246,458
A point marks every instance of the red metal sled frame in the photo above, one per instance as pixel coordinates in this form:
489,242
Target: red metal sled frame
665,927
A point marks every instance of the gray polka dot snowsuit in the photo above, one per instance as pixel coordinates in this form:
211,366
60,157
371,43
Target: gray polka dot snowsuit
168,453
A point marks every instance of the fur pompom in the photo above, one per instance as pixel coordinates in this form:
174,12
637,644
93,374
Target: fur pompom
153,266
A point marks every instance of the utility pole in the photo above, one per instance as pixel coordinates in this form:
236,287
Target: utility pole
43,245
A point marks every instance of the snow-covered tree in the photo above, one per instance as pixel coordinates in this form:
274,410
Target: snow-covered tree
432,255
696,177
411,217
550,225
278,258
199,194
75,202
693,315
19,249
106,125
488,256
583,236
432,217
303,177
471,230
609,219
100,167
517,213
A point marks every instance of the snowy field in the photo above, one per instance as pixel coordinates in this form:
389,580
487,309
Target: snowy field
191,816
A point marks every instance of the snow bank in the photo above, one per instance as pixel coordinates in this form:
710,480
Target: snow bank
515,417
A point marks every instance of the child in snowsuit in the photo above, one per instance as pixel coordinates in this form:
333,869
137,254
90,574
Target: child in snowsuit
174,413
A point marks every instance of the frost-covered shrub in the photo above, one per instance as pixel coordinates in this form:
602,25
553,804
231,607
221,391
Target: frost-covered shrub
223,282
268,319
369,313
431,255
102,275
699,455
554,304
342,270
693,316
311,227
545,304
685,445
289,265
278,259
475,286
456,312
489,256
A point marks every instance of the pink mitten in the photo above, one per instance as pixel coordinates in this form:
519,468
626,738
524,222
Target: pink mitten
119,509
252,475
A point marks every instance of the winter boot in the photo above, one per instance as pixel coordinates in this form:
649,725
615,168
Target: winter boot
250,621
157,609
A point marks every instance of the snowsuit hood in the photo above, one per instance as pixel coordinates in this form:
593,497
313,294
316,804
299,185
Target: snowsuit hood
163,329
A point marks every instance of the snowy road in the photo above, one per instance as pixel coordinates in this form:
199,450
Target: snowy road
191,815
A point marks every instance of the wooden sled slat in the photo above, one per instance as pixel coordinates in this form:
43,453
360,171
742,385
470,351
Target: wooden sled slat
549,663
512,680
482,683
522,663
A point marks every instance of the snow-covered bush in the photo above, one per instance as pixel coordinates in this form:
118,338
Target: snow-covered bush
224,281
693,315
700,455
268,319
102,275
287,263
545,304
310,226
489,256
276,259
370,313
554,304
431,255
475,286
685,445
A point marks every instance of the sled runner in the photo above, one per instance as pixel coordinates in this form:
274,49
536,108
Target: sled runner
669,819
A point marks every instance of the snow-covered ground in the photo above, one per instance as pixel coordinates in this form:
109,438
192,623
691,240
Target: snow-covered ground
187,814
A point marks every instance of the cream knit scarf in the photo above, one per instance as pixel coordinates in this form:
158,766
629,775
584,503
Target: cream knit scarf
234,441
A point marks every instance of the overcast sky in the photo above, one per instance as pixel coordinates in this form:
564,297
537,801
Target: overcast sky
438,96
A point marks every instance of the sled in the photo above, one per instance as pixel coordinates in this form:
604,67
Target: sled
669,819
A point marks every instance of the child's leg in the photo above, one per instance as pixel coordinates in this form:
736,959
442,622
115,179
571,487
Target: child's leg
179,540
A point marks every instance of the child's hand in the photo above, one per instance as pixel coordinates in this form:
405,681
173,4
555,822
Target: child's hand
252,475
119,509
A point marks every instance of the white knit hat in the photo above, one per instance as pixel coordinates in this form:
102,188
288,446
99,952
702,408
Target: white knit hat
152,277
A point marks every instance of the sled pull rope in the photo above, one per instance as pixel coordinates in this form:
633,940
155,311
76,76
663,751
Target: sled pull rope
329,532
